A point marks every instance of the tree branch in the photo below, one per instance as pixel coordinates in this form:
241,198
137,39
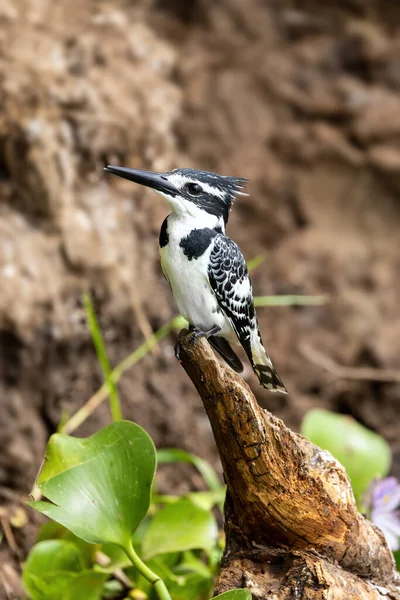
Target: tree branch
291,523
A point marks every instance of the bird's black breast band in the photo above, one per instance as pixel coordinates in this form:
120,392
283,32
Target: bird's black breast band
197,241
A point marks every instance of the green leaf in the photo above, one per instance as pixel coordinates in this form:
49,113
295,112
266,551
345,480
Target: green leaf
208,500
192,564
88,585
50,567
364,454
101,352
54,531
234,595
178,527
99,486
171,455
194,586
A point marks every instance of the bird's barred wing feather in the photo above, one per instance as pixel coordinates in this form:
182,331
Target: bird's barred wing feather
230,282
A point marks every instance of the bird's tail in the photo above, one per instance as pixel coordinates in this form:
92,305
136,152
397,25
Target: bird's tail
264,369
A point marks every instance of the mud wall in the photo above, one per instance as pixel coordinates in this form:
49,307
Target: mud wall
300,97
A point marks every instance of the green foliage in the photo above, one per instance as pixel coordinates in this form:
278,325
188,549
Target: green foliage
180,526
56,569
364,454
99,486
174,455
206,500
185,575
234,595
54,531
87,585
99,493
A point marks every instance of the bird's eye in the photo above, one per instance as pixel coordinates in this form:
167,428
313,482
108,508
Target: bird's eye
194,189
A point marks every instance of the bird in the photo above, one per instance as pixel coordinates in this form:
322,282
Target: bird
205,269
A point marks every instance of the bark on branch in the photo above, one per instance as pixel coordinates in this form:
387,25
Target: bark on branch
292,526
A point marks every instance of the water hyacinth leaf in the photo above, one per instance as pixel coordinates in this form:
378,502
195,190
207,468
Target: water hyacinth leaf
100,486
208,500
88,585
171,455
364,454
178,527
192,564
51,531
234,595
50,567
54,531
194,586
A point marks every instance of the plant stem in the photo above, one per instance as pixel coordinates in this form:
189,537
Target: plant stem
145,348
87,409
292,300
147,573
115,406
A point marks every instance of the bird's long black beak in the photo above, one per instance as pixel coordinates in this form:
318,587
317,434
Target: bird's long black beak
156,181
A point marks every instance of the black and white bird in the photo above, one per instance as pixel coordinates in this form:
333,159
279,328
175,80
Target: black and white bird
206,269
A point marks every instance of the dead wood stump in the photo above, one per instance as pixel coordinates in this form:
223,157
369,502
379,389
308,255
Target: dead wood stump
292,526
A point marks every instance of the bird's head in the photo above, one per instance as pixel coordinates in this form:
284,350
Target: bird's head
190,193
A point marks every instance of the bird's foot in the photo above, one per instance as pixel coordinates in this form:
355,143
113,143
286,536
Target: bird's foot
198,333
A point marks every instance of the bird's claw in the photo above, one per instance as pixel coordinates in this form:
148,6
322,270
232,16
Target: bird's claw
195,335
198,333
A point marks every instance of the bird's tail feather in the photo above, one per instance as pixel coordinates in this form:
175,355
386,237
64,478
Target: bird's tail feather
269,378
264,369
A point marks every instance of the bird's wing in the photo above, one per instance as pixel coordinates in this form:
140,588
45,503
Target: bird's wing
230,282
222,346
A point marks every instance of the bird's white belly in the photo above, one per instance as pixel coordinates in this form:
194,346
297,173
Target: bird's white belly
191,289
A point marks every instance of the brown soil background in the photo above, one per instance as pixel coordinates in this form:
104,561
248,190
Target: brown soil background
302,98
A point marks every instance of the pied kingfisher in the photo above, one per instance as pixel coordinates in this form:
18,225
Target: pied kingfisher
204,268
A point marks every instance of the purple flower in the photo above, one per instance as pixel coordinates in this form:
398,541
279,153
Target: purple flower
383,503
